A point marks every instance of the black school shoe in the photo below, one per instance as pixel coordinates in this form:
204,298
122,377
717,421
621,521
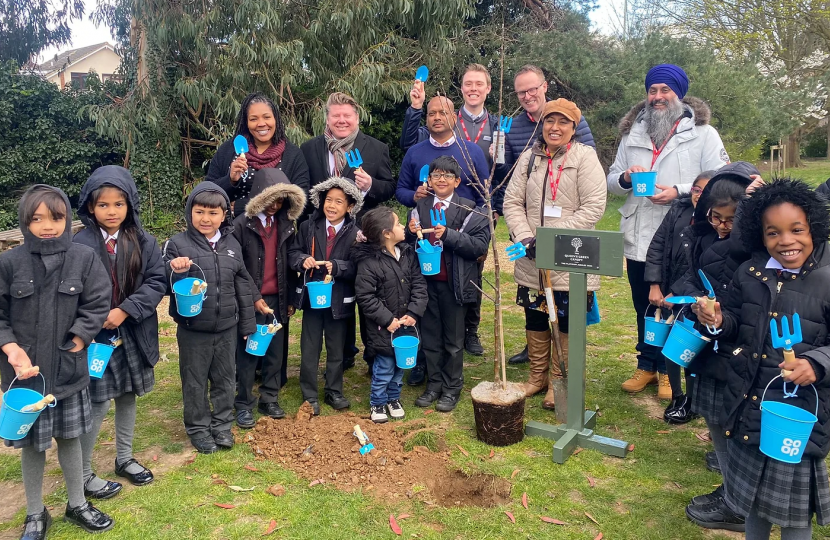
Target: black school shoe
89,518
36,525
472,344
679,410
223,439
245,419
205,445
337,402
709,498
715,515
417,376
110,490
141,478
315,407
520,358
427,398
272,410
712,462
446,403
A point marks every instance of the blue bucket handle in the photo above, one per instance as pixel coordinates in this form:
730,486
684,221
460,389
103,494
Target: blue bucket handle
789,394
662,320
266,331
54,403
204,280
311,270
112,342
417,334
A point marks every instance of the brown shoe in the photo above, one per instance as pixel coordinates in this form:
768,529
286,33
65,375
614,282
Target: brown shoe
548,402
538,353
664,388
639,381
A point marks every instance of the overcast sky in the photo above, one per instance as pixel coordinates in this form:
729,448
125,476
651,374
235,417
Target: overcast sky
84,33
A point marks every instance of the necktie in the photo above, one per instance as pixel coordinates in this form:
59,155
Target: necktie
116,291
268,222
111,245
212,245
330,240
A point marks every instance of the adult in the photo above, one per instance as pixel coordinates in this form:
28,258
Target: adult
558,182
531,88
326,153
442,141
668,132
326,157
260,123
477,125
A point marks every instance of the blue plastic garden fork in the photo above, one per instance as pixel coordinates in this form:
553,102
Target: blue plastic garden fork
438,217
505,123
515,251
786,338
354,159
710,300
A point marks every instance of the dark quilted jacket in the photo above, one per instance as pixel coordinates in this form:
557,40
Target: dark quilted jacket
666,260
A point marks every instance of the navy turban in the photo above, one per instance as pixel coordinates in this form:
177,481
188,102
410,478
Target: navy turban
672,76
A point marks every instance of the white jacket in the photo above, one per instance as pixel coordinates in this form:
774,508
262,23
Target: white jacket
694,148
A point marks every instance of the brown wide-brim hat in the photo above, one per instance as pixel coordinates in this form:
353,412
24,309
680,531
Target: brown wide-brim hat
566,108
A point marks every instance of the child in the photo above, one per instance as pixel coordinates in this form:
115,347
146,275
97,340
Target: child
711,247
207,341
392,293
265,231
54,297
321,248
785,227
108,206
666,264
464,238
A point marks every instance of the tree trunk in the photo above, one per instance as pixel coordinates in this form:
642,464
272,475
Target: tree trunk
827,155
793,155
138,39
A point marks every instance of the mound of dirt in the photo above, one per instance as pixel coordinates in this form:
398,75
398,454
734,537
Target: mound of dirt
324,450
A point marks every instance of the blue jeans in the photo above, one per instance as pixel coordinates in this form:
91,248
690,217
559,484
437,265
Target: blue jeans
386,381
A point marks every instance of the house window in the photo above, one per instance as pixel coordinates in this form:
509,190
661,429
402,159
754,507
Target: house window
79,79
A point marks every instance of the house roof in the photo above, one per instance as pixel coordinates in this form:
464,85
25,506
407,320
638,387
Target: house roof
72,56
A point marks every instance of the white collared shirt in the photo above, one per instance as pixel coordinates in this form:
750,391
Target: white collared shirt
445,203
448,143
336,227
474,117
263,219
107,237
775,265
215,238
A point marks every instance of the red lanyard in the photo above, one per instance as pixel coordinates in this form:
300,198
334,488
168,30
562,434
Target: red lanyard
554,186
655,152
480,131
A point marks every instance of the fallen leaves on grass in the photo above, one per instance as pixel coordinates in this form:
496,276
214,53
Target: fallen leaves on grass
704,437
239,489
466,454
190,460
524,500
277,490
403,516
251,468
589,516
631,447
428,411
394,525
663,432
547,519
315,482
492,453
225,506
578,450
155,458
219,482
271,527
514,473
591,481
510,517
598,537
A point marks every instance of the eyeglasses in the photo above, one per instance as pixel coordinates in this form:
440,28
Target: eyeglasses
697,190
529,92
717,222
439,176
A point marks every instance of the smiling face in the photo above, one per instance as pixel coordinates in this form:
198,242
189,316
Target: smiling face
443,183
558,130
207,220
787,235
660,96
342,120
45,225
261,123
110,210
530,89
440,118
474,88
336,206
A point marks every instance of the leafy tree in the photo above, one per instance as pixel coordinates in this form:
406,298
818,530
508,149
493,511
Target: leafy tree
29,26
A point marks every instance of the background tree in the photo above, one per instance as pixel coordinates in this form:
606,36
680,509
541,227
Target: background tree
29,26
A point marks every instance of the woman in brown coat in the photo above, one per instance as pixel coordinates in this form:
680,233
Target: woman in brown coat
560,183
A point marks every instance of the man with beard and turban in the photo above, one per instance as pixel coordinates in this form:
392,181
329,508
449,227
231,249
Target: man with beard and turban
669,133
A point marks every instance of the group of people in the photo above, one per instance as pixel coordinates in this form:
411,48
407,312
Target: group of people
268,221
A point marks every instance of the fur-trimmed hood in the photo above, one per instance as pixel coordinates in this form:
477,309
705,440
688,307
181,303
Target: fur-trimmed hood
700,109
270,185
345,184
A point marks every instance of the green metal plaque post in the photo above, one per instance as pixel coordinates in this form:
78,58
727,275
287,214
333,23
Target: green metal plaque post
578,252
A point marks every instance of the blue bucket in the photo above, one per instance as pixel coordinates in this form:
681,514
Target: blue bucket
684,342
319,294
14,424
259,341
643,183
406,350
785,428
98,356
430,262
655,333
188,305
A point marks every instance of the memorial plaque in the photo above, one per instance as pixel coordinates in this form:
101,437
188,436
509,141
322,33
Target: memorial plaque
576,251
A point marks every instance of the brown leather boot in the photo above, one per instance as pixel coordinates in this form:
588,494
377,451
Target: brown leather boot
639,381
556,371
538,353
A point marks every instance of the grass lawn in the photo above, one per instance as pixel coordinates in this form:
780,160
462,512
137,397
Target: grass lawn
640,497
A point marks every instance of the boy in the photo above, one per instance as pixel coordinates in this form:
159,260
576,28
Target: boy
464,238
207,341
265,231
322,247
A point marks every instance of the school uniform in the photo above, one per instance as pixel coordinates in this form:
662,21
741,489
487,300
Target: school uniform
207,341
466,238
265,241
324,241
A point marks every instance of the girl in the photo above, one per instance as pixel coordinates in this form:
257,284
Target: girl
785,227
392,293
666,264
108,206
54,297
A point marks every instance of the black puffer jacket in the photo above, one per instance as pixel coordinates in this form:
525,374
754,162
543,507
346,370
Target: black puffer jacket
666,260
270,185
229,299
757,295
151,281
387,289
50,291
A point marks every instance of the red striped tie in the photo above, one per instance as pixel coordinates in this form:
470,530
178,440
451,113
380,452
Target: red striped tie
111,241
330,240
